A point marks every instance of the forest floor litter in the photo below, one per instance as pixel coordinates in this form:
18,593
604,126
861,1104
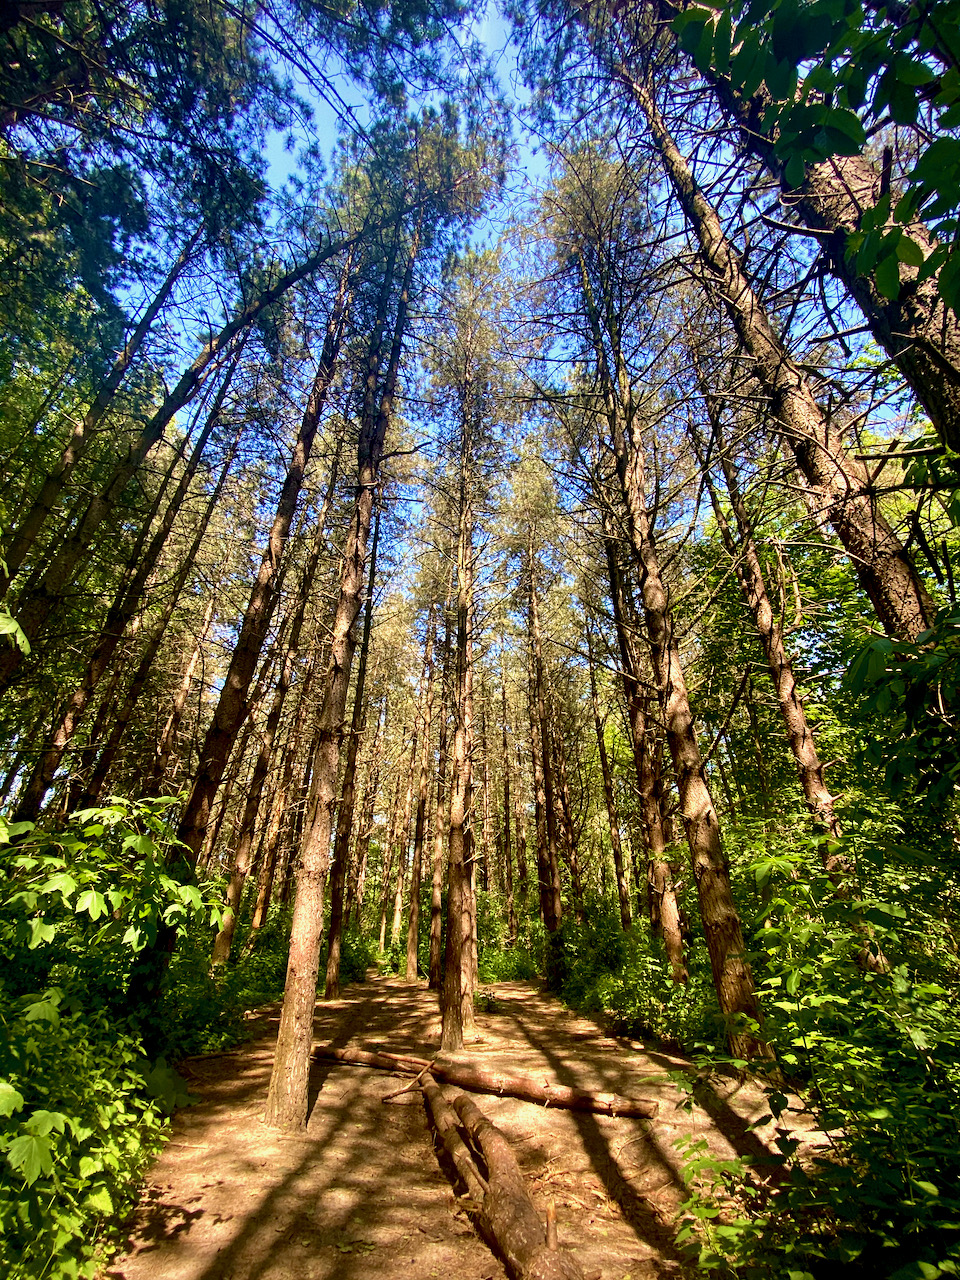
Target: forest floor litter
362,1194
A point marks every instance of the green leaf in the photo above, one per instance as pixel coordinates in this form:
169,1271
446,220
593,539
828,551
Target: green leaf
142,844
11,1099
100,1200
190,894
909,251
721,43
40,933
795,171
887,276
43,1122
93,903
10,830
31,1156
63,883
43,1011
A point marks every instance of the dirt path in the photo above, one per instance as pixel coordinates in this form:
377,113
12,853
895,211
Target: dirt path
361,1193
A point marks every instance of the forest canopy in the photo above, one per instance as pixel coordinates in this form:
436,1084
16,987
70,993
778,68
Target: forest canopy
480,499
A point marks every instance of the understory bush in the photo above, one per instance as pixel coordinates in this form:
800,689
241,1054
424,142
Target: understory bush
81,1106
623,976
81,1115
876,1052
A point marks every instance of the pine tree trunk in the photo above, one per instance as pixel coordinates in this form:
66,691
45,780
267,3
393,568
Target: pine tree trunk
341,849
505,845
41,598
743,551
287,1097
426,751
168,738
916,329
232,704
457,1004
842,484
663,906
243,855
26,533
441,820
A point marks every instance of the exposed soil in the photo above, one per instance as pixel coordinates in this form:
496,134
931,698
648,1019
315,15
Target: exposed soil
361,1194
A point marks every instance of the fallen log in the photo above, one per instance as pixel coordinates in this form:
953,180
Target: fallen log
547,1095
508,1216
444,1120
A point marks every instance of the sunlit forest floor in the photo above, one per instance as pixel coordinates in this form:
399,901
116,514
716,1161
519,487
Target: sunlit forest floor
363,1195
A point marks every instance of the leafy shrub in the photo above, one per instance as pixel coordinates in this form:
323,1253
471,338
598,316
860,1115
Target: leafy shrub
93,898
356,956
514,964
80,1105
77,1128
878,1055
624,977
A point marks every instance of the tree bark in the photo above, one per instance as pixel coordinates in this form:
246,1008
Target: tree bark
341,853
41,597
125,605
441,820
881,563
426,751
243,855
25,535
916,329
232,704
287,1097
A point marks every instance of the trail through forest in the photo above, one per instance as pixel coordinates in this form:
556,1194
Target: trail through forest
362,1193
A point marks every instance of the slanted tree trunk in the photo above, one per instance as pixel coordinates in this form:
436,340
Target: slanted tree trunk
723,933
232,703
168,737
743,551
117,623
25,535
916,329
40,597
243,854
287,1097
881,563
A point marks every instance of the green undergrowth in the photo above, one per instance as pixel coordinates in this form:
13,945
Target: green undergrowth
82,1106
623,978
82,1113
876,1054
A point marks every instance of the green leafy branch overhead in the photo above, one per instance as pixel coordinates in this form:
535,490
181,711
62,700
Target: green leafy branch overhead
820,76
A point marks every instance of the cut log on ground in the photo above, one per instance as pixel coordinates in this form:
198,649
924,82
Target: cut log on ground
444,1120
507,1217
477,1081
